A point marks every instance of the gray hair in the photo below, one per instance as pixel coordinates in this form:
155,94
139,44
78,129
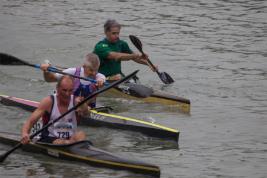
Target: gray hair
92,60
111,23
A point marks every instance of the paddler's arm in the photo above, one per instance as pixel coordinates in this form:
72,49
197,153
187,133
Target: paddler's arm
82,110
48,76
125,57
141,59
35,116
144,60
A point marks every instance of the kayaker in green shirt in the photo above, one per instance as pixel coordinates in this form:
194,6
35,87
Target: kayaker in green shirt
111,51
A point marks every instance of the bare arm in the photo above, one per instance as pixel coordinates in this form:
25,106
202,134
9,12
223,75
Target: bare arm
82,110
48,76
124,56
141,59
35,116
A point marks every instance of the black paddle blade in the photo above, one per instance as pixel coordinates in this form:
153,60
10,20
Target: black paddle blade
137,43
6,59
165,78
4,156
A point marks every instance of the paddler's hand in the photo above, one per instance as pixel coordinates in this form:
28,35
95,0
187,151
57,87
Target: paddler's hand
83,110
139,58
100,82
152,68
145,58
25,138
44,67
114,77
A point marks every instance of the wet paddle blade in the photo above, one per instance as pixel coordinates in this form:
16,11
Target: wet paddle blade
6,59
4,156
165,78
137,43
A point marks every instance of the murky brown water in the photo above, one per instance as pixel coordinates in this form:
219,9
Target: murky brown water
215,51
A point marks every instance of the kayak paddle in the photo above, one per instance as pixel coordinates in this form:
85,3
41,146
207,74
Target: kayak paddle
6,59
165,78
136,90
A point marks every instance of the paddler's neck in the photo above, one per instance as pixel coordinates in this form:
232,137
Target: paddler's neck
63,102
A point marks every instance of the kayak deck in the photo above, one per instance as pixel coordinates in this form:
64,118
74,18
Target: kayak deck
101,119
154,96
83,151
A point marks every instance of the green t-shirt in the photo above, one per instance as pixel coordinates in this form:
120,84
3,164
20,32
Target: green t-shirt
110,67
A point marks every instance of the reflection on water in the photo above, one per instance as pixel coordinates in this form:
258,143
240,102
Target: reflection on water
214,50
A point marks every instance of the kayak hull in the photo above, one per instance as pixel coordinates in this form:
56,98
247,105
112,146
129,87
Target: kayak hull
85,152
101,119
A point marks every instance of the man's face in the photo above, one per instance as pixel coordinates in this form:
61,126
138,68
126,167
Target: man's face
113,34
90,71
65,90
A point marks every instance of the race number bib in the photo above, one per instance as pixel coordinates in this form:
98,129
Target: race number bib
63,130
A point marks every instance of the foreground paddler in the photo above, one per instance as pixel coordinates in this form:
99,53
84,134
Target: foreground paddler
51,107
64,113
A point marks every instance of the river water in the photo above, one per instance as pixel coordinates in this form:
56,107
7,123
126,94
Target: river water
216,51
